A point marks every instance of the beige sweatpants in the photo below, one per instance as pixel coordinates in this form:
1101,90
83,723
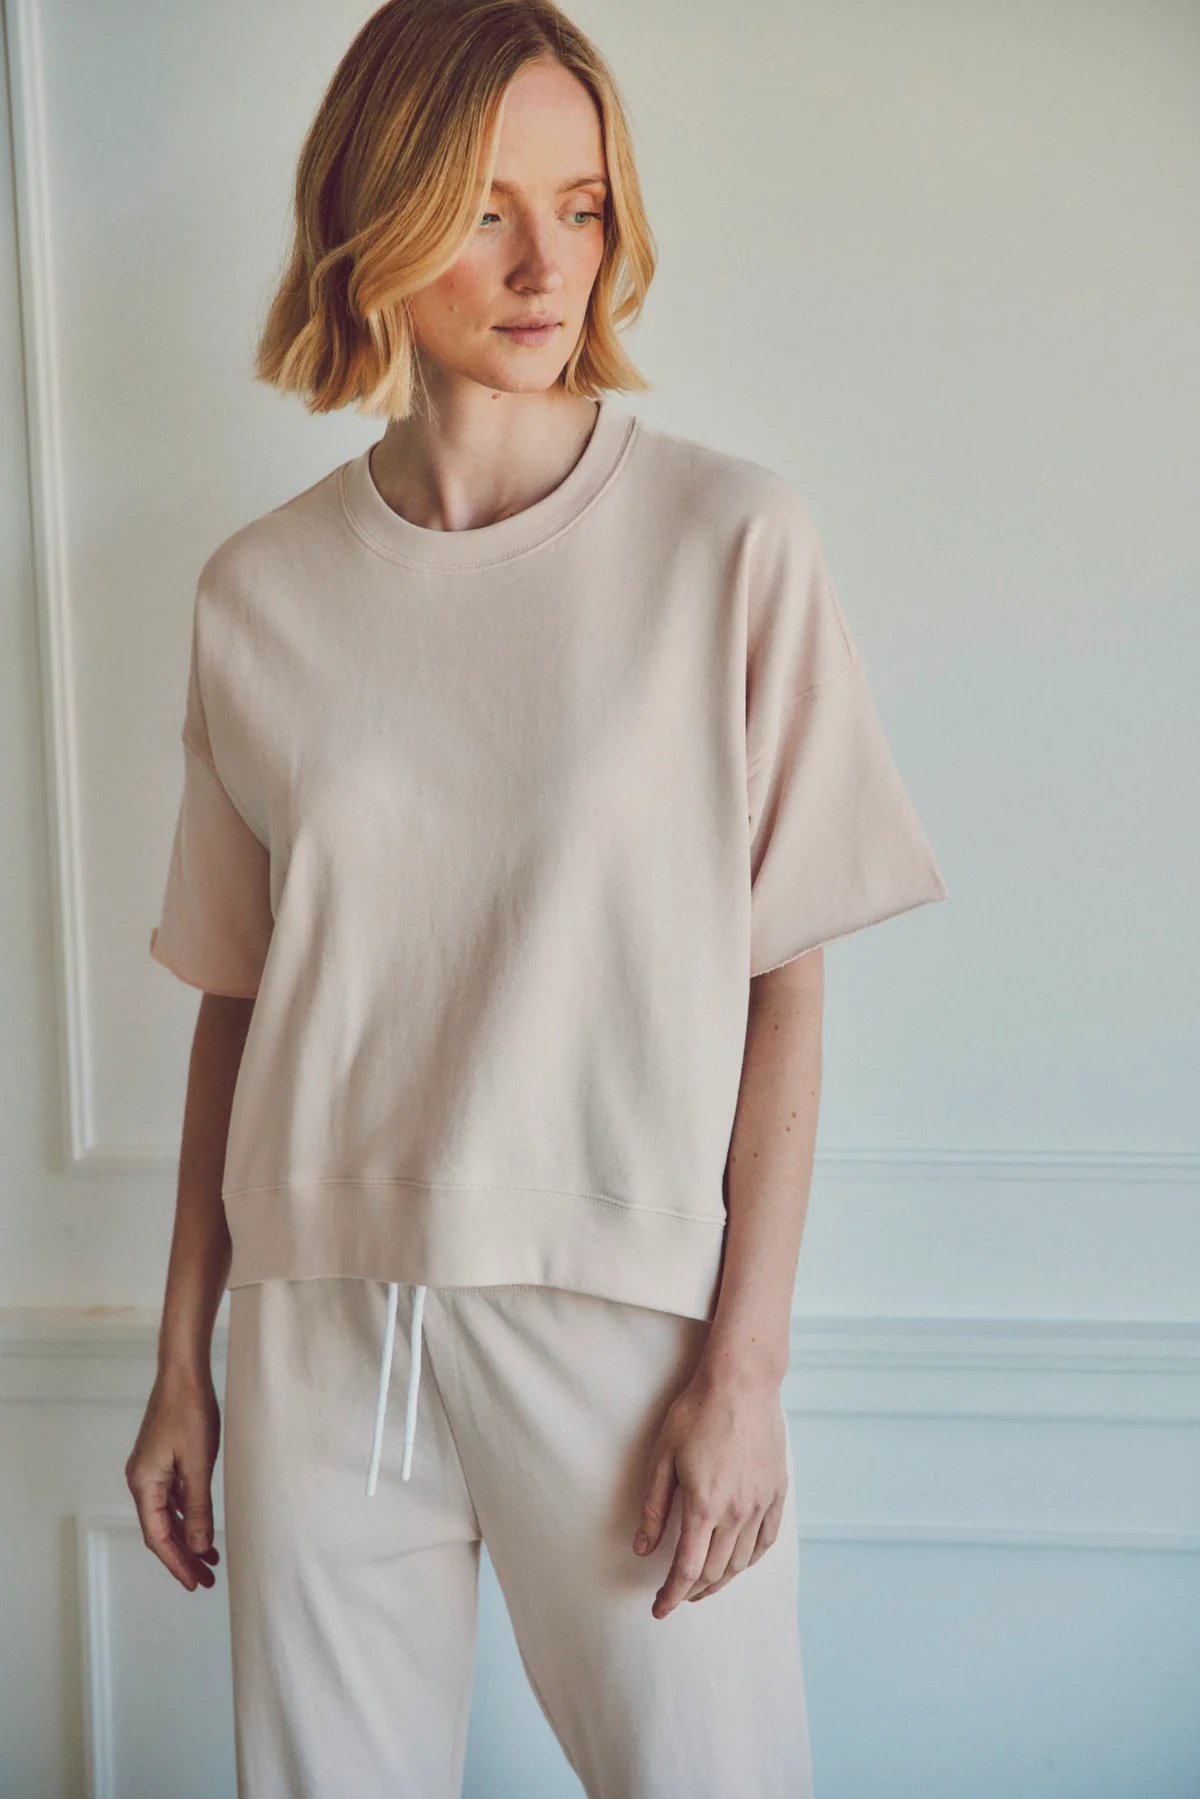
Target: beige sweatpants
353,1617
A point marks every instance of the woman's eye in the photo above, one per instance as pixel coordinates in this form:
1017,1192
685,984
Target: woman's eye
579,214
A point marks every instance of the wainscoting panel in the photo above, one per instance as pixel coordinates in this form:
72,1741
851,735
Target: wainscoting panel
952,1666
158,1706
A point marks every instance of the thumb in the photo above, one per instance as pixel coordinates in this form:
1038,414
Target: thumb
197,1512
656,1506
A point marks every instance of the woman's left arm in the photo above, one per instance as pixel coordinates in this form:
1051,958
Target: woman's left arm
723,1440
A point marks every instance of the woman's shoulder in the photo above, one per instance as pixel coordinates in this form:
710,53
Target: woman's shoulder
271,543
719,488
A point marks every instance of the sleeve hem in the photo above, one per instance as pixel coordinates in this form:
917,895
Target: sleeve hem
927,899
190,980
197,751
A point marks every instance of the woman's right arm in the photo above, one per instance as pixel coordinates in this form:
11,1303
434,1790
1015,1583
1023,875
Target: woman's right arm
170,1468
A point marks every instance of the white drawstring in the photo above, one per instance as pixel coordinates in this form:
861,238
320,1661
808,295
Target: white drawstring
414,1379
385,1378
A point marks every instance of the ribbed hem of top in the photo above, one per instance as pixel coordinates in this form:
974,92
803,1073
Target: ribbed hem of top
477,1237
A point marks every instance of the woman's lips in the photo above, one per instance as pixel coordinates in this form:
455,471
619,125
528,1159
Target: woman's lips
521,334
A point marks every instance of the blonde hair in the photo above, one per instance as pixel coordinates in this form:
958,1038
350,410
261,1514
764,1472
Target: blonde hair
387,190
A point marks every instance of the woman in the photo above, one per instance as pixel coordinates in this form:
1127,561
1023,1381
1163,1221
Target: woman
529,763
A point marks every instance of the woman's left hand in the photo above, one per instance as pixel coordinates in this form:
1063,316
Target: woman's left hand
723,1443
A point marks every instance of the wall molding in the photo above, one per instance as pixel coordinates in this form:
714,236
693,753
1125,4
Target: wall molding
92,1531
1033,1370
1134,1168
43,427
817,1339
971,1536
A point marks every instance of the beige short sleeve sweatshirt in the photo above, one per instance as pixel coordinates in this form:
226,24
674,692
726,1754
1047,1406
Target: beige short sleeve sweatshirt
497,825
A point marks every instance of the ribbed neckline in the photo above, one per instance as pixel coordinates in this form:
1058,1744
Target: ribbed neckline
398,538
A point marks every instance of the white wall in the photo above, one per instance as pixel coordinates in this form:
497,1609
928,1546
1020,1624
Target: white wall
940,265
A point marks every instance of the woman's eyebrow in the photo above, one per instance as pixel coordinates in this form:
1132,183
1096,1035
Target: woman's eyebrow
506,187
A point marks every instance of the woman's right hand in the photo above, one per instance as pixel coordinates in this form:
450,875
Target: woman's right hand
169,1473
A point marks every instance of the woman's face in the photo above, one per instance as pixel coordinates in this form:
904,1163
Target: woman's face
536,245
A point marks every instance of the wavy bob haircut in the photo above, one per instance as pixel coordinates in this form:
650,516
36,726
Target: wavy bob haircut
388,187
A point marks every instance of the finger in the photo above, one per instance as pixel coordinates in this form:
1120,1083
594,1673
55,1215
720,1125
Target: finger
769,1529
724,1541
197,1563
690,1554
184,1532
740,1558
656,1507
196,1509
161,1533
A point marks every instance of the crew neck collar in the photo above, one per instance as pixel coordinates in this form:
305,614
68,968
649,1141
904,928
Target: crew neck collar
386,532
